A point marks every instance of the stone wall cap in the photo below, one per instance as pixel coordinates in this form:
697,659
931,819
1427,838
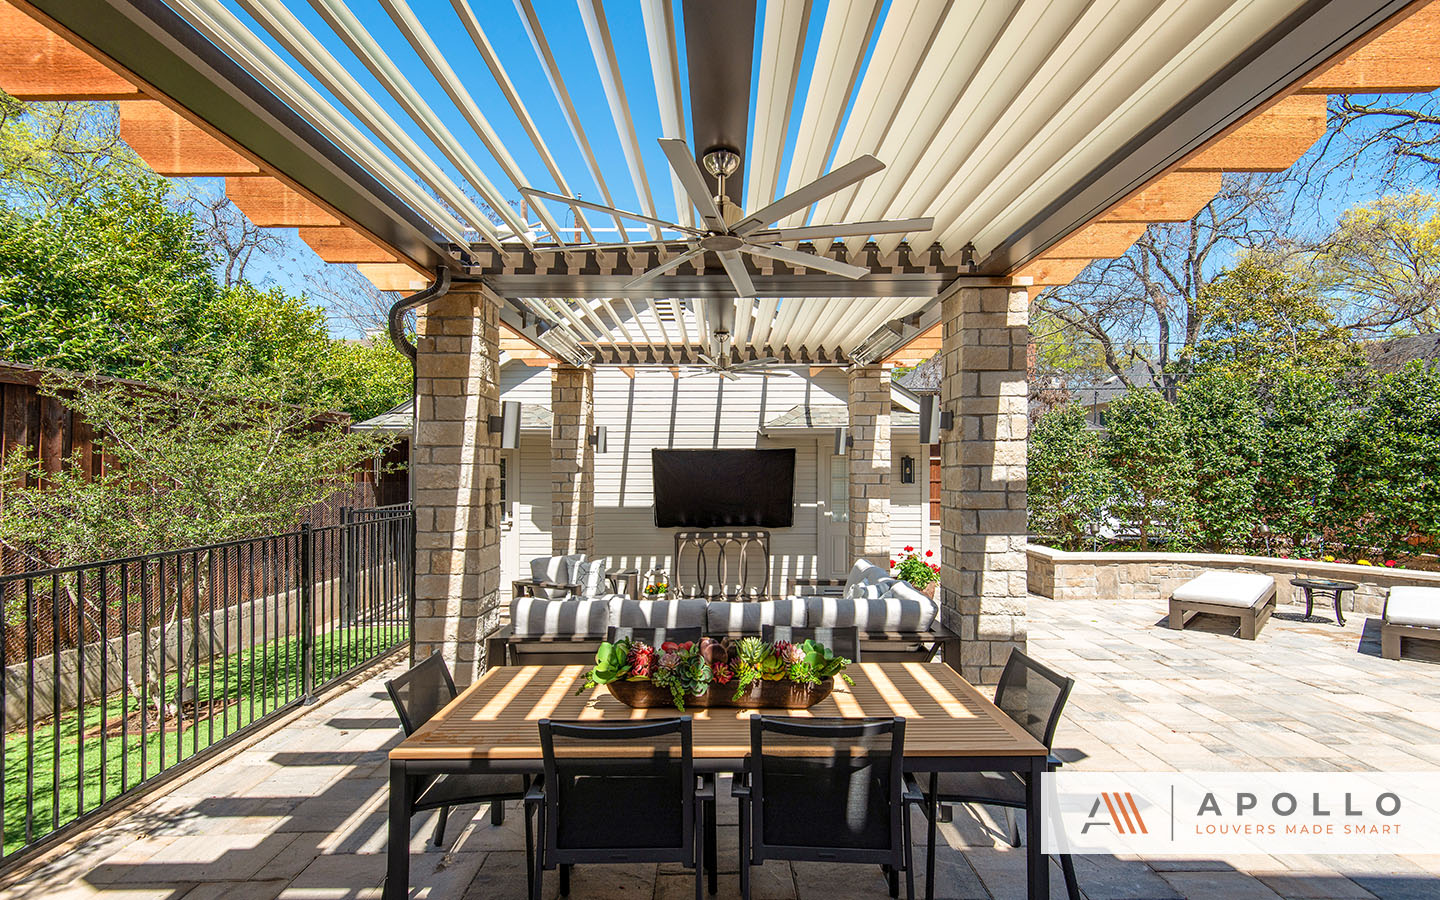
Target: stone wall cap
1312,566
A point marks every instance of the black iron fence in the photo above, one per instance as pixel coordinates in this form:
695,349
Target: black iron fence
151,662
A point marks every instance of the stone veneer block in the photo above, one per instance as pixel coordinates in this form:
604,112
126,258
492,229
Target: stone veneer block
572,461
456,466
982,489
869,502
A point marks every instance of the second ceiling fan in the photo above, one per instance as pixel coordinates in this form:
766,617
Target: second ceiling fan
728,232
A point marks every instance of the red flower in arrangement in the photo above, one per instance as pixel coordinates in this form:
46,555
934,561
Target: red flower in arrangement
935,568
909,549
673,647
642,660
929,552
1390,563
892,563
722,674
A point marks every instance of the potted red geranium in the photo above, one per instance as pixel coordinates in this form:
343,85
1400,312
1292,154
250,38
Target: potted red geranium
918,571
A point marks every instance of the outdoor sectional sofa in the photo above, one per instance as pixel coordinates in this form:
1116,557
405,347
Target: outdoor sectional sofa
896,621
1240,595
1410,612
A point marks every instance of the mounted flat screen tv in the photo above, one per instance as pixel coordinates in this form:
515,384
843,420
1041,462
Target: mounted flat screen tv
724,488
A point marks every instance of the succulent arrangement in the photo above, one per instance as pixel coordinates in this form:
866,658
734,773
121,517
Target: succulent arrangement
690,669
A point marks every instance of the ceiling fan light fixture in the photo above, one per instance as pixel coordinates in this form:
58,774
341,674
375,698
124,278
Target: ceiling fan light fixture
721,161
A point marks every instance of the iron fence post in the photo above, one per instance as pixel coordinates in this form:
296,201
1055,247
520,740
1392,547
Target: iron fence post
307,614
410,532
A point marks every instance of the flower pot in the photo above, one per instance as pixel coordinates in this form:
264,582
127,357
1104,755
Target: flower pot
928,590
784,694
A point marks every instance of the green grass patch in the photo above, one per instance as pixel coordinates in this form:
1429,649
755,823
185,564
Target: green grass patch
245,687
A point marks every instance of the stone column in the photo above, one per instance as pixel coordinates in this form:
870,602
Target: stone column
869,403
456,464
982,490
572,460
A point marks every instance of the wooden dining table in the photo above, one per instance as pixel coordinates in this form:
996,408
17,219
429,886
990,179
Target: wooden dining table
492,727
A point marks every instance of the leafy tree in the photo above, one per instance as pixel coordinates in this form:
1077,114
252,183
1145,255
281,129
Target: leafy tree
1382,263
1069,482
1305,417
1388,478
52,154
1145,449
1223,441
1262,321
184,468
115,283
365,379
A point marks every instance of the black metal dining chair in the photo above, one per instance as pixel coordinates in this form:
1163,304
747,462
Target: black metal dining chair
1034,696
827,790
418,694
654,636
842,640
633,799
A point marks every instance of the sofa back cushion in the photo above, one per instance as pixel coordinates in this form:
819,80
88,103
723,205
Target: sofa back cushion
900,609
630,613
556,570
748,616
541,617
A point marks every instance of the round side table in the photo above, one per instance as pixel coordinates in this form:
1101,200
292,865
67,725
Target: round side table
1336,589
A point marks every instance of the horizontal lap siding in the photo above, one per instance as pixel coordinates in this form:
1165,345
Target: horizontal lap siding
657,410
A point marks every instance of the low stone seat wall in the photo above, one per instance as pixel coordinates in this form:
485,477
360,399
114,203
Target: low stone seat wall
1066,575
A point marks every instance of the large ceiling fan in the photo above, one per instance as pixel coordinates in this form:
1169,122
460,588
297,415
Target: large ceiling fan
728,232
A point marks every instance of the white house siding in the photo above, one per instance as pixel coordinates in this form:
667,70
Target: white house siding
657,410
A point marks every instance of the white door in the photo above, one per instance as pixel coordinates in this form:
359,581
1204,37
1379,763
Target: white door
833,519
509,532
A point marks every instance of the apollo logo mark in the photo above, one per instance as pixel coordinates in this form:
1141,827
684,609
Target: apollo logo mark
1124,813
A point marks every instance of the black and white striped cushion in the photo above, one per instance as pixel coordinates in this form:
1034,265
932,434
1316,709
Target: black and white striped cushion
538,617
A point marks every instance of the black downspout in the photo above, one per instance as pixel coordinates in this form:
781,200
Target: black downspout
402,343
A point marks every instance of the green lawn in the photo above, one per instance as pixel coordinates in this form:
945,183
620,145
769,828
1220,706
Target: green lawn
246,686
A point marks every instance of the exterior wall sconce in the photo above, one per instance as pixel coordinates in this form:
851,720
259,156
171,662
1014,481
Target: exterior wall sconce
507,424
907,470
843,440
598,440
933,421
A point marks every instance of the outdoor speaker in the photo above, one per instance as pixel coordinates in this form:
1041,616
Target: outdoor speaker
932,421
507,424
842,440
598,439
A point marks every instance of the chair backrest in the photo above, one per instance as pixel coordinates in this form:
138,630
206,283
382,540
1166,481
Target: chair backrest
632,798
827,788
842,641
1033,695
654,636
421,692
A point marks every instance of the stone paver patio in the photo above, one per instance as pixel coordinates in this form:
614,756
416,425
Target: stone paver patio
302,813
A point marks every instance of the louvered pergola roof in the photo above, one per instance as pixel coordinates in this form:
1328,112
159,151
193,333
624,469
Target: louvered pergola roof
1038,135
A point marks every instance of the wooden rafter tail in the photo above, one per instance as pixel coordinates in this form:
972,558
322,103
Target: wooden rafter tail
926,345
1176,197
394,277
345,245
1098,240
1052,272
270,203
38,64
1403,60
172,145
1268,142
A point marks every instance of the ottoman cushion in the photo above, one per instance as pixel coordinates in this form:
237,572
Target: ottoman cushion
1238,589
1413,605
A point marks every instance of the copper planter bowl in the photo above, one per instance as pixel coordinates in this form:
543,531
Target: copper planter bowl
784,694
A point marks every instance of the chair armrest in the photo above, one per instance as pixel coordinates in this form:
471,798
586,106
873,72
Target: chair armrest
624,581
536,793
706,789
527,587
740,786
910,790
1054,762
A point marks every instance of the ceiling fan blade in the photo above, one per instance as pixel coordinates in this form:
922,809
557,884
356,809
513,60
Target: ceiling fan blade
809,194
667,266
678,152
809,260
707,360
847,229
532,193
735,268
726,373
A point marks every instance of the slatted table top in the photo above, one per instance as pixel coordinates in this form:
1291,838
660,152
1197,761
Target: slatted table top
496,717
